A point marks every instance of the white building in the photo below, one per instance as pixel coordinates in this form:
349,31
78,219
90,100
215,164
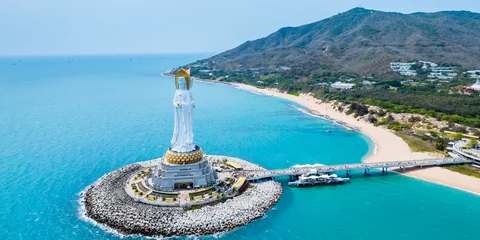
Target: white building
403,68
425,65
321,84
409,82
443,73
476,85
340,85
474,74
368,83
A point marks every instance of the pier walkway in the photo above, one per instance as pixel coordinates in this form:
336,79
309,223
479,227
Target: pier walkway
456,149
253,175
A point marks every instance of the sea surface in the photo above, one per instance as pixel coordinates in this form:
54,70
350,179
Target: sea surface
66,121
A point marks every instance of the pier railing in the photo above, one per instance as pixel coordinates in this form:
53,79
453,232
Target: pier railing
459,151
295,171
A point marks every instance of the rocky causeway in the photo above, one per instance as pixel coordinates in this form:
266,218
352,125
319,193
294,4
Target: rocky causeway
106,203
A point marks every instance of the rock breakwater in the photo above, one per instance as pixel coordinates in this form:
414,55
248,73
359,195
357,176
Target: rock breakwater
107,203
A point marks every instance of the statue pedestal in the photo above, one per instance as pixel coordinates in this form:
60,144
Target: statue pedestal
169,177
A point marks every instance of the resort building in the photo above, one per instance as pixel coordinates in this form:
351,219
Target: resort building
475,87
284,68
403,68
408,82
426,65
340,85
473,74
442,73
368,83
320,84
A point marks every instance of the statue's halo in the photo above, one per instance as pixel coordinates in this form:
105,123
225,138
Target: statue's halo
183,73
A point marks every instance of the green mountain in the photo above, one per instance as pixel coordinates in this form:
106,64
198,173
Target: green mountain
361,42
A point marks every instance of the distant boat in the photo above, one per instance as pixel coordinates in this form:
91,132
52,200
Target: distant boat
329,130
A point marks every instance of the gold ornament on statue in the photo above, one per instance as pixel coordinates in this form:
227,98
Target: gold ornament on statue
183,73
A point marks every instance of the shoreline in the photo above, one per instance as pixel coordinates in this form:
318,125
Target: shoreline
387,145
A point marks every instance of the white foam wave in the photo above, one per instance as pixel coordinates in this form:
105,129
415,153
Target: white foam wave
82,213
303,110
334,122
250,91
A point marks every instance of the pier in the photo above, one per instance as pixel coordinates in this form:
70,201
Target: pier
457,150
254,175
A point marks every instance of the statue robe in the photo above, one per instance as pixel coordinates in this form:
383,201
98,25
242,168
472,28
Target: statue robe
182,140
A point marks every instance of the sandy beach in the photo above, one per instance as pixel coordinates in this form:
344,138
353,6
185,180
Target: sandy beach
389,147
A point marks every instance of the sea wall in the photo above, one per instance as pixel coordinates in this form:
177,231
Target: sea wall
107,203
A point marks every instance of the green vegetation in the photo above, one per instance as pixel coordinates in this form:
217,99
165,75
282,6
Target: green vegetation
472,143
358,109
364,59
340,55
168,194
294,93
201,191
430,99
465,169
457,108
192,208
417,144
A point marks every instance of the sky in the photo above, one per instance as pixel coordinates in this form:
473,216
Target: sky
70,27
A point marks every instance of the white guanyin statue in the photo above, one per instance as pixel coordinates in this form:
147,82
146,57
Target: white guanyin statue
182,140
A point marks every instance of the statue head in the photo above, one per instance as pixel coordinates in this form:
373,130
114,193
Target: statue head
182,83
185,75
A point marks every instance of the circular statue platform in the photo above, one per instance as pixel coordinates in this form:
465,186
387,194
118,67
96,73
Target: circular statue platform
124,201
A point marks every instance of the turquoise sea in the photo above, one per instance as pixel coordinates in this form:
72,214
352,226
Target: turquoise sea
66,121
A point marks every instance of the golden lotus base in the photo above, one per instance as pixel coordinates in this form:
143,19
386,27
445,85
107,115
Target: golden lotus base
184,158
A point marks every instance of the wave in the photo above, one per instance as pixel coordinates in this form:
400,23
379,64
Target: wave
334,122
205,81
82,213
303,110
250,91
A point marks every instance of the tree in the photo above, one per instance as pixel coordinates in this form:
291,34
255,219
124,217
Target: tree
381,113
473,143
414,119
390,118
458,136
475,132
372,119
440,144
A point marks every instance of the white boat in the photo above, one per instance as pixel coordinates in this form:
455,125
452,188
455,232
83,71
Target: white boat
313,178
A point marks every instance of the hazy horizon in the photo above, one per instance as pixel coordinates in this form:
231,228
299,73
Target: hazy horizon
54,27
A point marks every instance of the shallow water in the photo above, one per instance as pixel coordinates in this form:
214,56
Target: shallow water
66,121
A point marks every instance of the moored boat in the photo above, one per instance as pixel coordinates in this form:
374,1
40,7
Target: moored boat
313,178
